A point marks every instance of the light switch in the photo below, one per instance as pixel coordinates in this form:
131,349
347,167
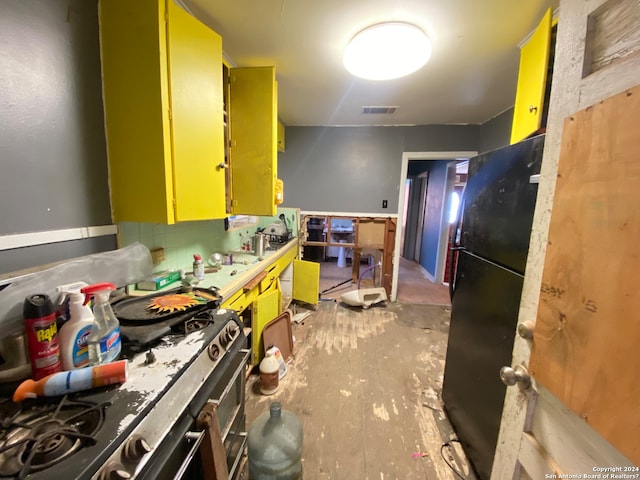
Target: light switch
384,204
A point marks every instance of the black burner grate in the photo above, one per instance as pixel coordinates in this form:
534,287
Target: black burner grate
36,437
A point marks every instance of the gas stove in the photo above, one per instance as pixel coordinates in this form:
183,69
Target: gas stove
143,428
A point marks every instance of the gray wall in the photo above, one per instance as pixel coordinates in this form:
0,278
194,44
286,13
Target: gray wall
352,169
53,153
496,132
52,144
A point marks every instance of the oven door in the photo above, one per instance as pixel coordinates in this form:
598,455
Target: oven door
228,404
183,454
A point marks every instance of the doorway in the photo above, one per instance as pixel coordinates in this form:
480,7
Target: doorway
434,243
413,220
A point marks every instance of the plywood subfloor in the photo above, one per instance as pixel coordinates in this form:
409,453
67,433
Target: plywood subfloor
366,386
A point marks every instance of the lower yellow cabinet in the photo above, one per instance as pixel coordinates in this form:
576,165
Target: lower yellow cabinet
264,309
284,280
301,281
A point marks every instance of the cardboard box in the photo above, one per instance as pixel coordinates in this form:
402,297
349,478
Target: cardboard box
159,280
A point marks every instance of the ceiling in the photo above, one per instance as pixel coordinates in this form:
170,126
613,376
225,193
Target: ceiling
470,78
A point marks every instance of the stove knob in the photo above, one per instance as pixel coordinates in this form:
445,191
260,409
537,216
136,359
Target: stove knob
232,330
214,352
136,448
227,336
114,471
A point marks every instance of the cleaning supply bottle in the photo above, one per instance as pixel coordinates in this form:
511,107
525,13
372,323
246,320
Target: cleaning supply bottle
104,340
73,335
41,331
198,267
63,303
269,374
69,382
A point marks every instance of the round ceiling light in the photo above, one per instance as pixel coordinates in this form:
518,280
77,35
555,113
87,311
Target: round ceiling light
386,51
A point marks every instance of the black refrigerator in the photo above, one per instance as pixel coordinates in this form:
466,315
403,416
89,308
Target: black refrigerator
492,246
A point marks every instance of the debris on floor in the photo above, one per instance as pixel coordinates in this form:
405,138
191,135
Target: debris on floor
431,399
364,297
357,383
299,318
419,454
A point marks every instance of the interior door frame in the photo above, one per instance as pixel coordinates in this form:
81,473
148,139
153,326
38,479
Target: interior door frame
414,216
422,198
406,157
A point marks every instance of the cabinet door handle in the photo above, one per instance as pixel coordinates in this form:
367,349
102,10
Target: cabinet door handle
533,109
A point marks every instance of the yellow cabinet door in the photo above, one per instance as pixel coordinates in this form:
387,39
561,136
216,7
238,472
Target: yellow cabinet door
253,132
194,56
264,309
306,281
280,137
532,79
163,112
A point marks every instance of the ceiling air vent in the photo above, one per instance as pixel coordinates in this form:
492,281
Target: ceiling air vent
379,110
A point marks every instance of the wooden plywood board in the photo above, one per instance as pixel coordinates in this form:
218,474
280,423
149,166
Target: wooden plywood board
371,232
585,346
387,258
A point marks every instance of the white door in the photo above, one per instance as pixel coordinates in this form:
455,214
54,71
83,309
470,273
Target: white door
596,58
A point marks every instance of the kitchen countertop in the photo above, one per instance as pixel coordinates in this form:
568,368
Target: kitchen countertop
223,280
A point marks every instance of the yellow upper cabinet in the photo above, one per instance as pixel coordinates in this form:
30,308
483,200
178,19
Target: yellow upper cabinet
164,115
280,137
253,118
532,79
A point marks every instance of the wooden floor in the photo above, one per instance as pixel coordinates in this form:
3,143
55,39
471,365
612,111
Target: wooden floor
366,386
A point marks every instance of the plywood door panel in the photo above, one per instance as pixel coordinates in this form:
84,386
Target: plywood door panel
585,346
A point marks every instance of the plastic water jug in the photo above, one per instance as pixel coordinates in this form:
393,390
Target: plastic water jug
275,446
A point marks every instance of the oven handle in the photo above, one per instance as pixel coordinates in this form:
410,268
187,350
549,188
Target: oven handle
198,437
238,459
245,352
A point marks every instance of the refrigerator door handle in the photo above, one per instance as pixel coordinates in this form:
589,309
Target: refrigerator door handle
452,269
455,246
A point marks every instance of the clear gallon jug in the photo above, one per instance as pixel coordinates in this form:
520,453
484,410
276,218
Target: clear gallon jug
275,446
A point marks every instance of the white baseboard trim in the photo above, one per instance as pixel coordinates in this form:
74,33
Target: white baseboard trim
349,214
19,240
